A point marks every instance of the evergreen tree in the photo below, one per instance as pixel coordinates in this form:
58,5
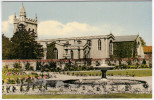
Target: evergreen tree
24,45
142,41
6,47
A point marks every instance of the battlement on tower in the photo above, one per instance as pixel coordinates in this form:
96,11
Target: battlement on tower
29,20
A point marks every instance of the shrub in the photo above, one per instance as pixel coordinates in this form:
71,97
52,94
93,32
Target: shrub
73,74
28,67
34,73
129,62
144,61
11,81
17,65
150,65
68,73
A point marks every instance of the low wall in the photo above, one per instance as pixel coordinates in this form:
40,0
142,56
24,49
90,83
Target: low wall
59,62
79,62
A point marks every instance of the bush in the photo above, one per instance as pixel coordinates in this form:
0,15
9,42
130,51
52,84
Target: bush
150,65
129,62
11,81
144,66
34,73
17,65
144,61
28,67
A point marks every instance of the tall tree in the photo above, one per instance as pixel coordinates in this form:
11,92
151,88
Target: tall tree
6,47
50,50
25,46
142,41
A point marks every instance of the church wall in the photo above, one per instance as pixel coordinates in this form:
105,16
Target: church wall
75,54
95,53
140,51
60,51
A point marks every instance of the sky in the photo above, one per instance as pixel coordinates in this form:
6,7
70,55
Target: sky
72,19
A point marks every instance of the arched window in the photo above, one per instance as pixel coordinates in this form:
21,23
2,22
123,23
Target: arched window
55,53
72,55
29,29
110,47
99,44
89,42
78,53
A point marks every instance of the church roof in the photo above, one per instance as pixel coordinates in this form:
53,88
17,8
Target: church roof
125,38
79,38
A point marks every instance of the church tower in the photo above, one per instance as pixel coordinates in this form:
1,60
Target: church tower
27,23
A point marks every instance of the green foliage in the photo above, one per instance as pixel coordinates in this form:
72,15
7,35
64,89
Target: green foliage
17,65
111,95
24,46
38,65
49,66
124,49
142,41
50,50
11,81
129,62
144,61
6,47
28,67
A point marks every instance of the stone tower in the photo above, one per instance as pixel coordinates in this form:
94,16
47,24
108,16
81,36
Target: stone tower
29,24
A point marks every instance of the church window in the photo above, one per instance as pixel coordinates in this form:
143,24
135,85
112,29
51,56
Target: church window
89,42
66,50
78,53
72,55
55,53
110,48
29,29
99,44
79,42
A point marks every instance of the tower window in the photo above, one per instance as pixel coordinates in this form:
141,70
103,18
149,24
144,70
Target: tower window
99,44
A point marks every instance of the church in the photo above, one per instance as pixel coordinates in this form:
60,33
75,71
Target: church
93,47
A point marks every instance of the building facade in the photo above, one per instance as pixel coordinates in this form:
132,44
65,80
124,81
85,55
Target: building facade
81,47
135,40
23,21
91,47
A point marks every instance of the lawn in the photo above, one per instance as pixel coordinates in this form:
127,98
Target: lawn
135,73
76,96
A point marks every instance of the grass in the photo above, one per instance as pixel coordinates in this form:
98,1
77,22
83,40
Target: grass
135,73
76,96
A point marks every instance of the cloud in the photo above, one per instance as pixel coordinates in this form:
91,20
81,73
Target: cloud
54,29
6,24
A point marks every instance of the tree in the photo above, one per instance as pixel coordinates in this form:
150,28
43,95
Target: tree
142,41
24,45
50,50
6,47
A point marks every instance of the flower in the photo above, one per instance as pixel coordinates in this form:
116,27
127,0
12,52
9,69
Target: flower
12,78
39,77
45,77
